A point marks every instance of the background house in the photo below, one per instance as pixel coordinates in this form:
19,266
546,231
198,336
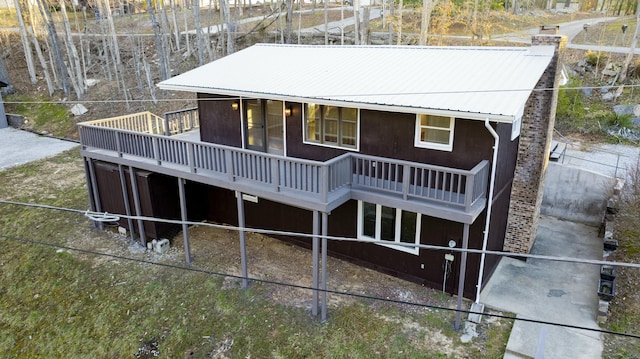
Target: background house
396,145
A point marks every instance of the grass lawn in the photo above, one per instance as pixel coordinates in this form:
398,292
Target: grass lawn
62,303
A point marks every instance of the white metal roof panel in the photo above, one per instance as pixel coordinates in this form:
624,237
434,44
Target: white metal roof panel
475,82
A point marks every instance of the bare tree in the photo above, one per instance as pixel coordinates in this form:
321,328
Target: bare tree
427,8
230,26
74,59
634,43
55,44
25,43
162,59
199,35
289,19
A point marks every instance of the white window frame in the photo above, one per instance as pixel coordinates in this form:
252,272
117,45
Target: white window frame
320,143
433,145
398,228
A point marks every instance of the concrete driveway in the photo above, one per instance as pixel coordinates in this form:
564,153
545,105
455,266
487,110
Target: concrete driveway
551,291
18,147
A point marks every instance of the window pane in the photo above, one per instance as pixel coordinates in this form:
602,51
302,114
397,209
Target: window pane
331,117
408,227
388,224
435,121
434,136
349,126
255,124
313,122
275,142
369,219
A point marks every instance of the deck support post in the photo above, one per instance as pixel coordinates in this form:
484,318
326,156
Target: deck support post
315,244
461,277
243,241
183,216
127,205
325,220
136,202
92,187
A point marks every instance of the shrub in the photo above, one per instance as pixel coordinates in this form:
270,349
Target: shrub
614,120
570,111
595,58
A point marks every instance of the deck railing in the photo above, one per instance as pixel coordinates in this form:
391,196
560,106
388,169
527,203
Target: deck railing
448,186
181,121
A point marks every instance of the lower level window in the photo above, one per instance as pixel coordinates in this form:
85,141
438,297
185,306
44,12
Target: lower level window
389,224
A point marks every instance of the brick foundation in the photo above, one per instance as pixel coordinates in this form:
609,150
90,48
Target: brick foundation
535,140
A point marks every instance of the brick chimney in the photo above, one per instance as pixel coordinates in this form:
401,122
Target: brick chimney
533,153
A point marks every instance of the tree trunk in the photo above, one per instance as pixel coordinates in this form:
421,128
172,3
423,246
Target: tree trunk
224,6
72,52
289,20
356,17
199,41
174,21
55,44
25,43
427,8
326,21
634,43
159,43
399,39
43,62
364,29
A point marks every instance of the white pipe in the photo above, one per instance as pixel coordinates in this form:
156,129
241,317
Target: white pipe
496,140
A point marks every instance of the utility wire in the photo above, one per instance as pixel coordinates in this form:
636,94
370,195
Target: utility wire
297,286
105,216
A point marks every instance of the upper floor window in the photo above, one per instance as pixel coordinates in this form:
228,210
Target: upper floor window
391,225
331,125
435,132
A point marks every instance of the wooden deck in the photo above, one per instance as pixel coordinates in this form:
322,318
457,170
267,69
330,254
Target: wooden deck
453,194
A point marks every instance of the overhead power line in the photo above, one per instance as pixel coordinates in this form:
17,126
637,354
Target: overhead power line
329,291
105,216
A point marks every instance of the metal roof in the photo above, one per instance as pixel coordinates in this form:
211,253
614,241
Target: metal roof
469,82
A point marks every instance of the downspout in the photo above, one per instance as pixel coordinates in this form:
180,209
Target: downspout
496,140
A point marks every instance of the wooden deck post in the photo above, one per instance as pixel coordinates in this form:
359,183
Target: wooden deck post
243,242
183,216
136,202
314,250
463,269
127,205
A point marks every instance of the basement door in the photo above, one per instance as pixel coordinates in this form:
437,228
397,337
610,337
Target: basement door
264,126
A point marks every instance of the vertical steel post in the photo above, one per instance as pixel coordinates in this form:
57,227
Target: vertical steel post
463,269
325,220
136,202
314,250
127,205
183,216
91,189
243,242
96,194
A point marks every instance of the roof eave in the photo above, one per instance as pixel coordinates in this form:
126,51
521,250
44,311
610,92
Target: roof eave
363,105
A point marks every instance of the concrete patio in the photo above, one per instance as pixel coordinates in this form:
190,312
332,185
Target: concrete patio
558,292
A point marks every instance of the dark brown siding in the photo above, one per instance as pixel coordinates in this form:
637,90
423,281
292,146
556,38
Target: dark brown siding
391,135
158,198
219,123
157,193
